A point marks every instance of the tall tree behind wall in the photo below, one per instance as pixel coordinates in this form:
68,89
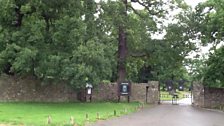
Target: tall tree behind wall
52,41
210,19
76,41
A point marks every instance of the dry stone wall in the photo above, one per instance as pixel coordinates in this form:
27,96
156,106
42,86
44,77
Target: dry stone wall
105,92
140,92
145,92
207,97
214,97
32,90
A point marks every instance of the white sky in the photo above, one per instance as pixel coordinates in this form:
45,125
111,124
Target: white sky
193,3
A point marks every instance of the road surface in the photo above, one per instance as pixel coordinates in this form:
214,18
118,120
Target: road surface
168,115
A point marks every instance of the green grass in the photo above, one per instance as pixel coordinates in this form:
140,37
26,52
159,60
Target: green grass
167,97
36,114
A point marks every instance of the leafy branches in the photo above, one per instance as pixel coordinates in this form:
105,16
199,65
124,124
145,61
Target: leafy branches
214,75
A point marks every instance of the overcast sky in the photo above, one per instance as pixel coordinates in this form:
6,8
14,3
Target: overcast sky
193,3
190,2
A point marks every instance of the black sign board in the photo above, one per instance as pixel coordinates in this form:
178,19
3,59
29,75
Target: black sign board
124,88
169,85
181,85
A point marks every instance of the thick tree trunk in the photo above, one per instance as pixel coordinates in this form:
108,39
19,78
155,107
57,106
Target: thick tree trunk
122,48
122,52
19,17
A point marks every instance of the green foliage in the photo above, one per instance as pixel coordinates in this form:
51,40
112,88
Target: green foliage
50,40
214,74
210,15
76,41
209,29
209,71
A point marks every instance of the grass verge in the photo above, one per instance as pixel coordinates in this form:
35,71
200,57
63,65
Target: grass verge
36,114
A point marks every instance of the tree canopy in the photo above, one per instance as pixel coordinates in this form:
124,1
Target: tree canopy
209,17
53,40
80,41
214,74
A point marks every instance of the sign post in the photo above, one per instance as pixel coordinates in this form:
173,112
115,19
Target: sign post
124,89
89,88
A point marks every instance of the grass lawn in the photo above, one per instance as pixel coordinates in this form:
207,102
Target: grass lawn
36,114
165,96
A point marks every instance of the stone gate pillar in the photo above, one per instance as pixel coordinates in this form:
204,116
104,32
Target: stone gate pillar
153,92
198,94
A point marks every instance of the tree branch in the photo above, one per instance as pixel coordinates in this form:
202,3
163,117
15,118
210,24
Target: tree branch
135,11
147,5
19,16
135,54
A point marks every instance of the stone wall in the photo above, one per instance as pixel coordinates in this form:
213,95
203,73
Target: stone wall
214,97
105,92
31,90
145,92
20,89
207,97
139,92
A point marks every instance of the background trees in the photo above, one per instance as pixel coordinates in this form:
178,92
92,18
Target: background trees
78,41
210,28
53,40
214,75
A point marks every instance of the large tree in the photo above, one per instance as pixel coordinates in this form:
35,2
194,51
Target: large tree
209,17
214,73
53,40
211,21
79,41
